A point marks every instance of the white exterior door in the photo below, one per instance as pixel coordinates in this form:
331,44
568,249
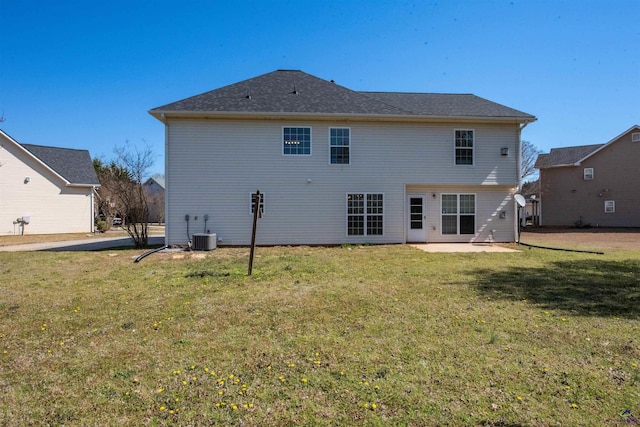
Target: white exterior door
416,230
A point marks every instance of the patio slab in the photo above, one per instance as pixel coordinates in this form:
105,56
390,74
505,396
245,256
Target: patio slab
461,247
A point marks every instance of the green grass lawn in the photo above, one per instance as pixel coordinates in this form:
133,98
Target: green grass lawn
373,335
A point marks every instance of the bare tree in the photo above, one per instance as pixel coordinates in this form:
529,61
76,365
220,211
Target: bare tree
529,155
122,182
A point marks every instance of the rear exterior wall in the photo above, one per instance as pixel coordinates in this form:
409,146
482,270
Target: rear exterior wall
213,166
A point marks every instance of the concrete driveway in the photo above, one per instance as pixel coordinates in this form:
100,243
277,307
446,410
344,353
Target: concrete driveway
95,244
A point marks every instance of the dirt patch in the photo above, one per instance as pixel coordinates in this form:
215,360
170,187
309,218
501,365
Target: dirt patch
585,238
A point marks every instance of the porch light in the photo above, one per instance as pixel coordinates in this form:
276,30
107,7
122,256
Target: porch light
504,151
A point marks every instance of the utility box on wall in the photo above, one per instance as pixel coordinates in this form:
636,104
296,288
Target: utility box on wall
203,242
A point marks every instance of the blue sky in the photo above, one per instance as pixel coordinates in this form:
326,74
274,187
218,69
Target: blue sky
83,74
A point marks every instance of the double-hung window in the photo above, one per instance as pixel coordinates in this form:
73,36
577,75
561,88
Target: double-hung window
463,146
609,206
365,214
296,141
339,145
588,174
458,213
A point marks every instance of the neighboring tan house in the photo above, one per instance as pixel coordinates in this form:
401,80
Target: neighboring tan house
339,166
154,190
45,190
592,185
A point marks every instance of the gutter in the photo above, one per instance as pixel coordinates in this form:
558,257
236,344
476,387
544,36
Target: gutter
275,115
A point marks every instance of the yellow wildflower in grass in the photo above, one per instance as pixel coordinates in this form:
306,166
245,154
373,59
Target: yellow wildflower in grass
162,408
304,380
374,406
245,406
366,405
519,398
574,406
184,383
234,406
195,378
160,390
635,365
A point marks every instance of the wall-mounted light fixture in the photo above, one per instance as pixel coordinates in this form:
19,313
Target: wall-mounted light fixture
503,214
27,179
433,195
504,151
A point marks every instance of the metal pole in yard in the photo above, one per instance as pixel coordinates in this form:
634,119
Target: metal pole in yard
256,214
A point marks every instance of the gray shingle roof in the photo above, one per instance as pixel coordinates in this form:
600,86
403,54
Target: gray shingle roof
73,165
565,156
292,91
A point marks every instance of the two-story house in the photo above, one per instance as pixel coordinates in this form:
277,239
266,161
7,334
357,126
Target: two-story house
592,185
339,166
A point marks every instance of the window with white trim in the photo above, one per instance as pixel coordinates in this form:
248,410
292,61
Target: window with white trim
296,141
588,174
458,213
339,145
464,143
365,214
609,206
252,203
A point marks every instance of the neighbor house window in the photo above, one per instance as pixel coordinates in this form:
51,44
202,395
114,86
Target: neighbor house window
365,214
458,213
588,174
464,146
339,144
296,141
254,196
609,206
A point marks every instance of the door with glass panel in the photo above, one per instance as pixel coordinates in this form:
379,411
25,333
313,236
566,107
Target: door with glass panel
416,230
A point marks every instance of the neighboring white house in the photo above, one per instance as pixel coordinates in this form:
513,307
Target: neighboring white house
45,190
339,166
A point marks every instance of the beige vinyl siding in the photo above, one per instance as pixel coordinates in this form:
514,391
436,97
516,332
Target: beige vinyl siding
490,202
51,206
214,165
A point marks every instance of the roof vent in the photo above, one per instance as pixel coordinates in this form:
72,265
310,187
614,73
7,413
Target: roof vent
295,91
635,137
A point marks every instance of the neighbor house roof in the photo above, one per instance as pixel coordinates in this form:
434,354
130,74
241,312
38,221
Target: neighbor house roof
293,92
566,156
75,166
573,156
158,180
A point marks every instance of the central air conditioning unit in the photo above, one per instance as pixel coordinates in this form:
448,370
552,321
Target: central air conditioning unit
203,242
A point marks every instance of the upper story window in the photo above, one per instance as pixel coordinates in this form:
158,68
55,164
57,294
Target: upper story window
296,141
464,143
588,174
339,145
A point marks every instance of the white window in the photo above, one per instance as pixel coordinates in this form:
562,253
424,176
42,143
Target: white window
339,146
296,141
252,203
588,174
635,137
463,146
609,206
458,213
365,214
